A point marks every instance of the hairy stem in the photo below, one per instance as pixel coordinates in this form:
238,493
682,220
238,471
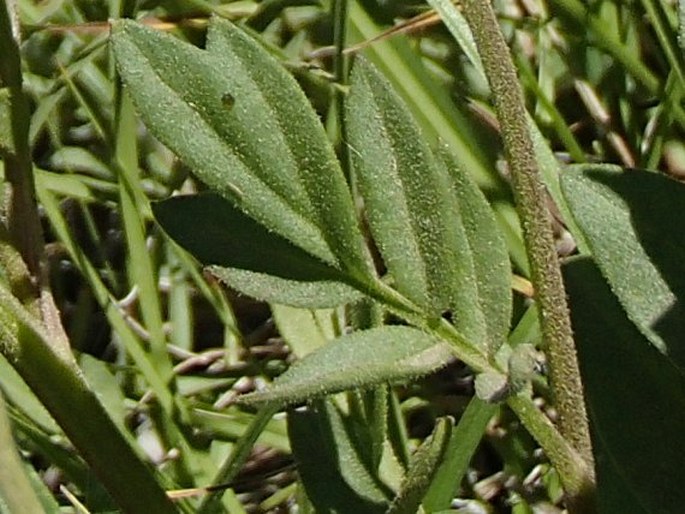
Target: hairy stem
535,219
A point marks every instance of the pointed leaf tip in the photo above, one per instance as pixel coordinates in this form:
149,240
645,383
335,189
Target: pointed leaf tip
361,359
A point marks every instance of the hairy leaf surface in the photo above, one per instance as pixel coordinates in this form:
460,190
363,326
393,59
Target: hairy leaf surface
434,228
243,125
360,359
247,256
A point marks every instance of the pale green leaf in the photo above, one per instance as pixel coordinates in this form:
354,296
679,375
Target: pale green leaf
181,93
274,120
361,359
319,294
253,139
305,330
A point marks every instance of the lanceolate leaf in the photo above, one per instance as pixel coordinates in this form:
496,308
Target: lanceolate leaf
632,221
318,294
237,133
219,234
441,254
635,397
403,190
360,359
485,256
274,102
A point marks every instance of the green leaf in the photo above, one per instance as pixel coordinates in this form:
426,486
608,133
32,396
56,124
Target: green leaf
233,242
369,422
305,330
6,132
108,391
18,393
320,294
485,255
491,386
635,397
16,490
236,118
330,466
548,163
405,193
275,107
180,92
633,225
422,470
459,29
77,159
360,359
434,228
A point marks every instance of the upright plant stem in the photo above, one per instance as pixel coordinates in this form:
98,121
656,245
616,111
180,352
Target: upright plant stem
535,219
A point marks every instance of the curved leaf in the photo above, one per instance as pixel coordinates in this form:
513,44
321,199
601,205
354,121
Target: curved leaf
360,359
635,397
247,256
632,221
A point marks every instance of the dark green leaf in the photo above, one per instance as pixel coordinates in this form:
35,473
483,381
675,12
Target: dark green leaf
633,225
360,359
423,467
219,234
330,466
635,397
